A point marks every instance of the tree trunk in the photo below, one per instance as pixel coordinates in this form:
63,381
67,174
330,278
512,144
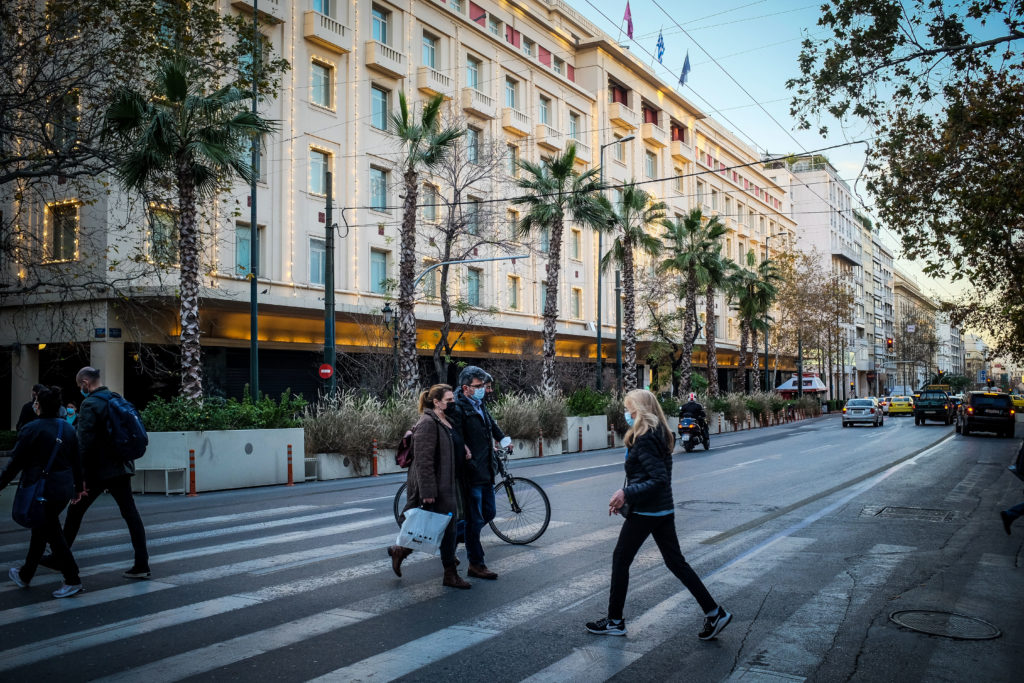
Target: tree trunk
710,331
408,362
188,255
744,337
549,383
628,318
755,377
442,350
689,326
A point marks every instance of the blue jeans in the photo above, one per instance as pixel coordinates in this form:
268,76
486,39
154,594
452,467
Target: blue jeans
479,511
1016,511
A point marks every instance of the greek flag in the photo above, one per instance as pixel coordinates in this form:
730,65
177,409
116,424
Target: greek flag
686,69
661,47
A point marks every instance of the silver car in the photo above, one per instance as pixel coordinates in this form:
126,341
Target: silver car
863,411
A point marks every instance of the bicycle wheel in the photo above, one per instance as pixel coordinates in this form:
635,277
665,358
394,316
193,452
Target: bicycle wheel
523,511
400,502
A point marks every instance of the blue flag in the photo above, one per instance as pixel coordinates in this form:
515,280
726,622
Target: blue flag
661,47
686,69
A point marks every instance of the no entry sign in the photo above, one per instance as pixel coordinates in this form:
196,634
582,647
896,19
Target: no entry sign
326,371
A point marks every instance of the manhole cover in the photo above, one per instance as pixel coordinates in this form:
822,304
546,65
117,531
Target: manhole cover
946,624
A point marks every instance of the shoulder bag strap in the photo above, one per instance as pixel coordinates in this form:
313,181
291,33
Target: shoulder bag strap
56,447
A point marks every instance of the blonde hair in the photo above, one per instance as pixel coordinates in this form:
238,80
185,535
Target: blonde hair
649,416
434,393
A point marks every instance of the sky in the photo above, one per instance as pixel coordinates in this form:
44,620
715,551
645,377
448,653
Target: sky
742,52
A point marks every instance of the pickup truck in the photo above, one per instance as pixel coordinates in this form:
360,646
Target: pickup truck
933,405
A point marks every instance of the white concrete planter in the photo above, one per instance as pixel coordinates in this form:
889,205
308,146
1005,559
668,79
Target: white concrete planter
338,466
229,459
386,461
586,433
522,449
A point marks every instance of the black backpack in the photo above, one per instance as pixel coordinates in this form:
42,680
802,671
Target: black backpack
127,432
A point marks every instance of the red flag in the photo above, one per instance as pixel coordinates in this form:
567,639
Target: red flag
628,18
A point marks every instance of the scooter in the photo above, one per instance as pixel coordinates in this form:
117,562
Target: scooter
691,434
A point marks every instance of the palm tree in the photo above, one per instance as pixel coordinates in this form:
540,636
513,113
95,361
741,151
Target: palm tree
713,277
555,193
196,140
695,255
631,220
753,292
424,145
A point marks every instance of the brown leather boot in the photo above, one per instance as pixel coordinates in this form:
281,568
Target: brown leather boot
480,571
453,580
398,553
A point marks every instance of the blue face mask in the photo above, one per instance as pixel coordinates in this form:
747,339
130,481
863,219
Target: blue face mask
71,411
629,418
479,393
84,393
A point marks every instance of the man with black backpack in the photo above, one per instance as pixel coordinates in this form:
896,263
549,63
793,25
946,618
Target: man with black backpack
108,465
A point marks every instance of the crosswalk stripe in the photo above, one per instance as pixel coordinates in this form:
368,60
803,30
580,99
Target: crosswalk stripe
249,544
171,526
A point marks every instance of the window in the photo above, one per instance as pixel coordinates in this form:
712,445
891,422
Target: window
472,144
473,72
243,248
651,164
511,92
512,159
741,254
317,261
378,189
429,50
545,240
576,303
617,197
513,293
700,193
678,173
494,25
473,216
381,19
574,125
473,287
528,47
512,221
620,150
319,164
379,107
163,235
456,6
545,110
323,6
714,199
378,271
430,281
576,244
322,80
558,65
728,207
66,115
429,201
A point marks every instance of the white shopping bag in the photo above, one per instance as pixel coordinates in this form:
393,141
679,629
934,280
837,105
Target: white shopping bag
422,530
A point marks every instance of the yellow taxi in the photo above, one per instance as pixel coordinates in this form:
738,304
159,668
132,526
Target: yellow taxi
1018,401
901,405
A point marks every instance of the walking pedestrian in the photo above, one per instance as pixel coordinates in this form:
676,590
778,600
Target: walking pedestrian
104,471
71,415
28,411
431,482
646,502
40,440
479,432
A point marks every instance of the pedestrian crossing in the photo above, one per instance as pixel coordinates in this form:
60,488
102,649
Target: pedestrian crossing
230,590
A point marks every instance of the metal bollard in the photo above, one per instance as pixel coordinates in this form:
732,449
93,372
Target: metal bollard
192,473
540,445
374,464
291,479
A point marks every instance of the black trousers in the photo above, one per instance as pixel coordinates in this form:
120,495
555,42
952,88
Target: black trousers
49,532
120,488
635,531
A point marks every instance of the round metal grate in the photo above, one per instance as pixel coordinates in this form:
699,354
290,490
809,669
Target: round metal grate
946,624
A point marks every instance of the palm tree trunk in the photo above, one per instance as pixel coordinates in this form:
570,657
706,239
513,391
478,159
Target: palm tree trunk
744,337
755,377
629,318
689,325
710,330
188,251
548,381
408,361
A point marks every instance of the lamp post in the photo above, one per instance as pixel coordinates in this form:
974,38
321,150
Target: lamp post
618,330
767,384
254,233
388,320
599,382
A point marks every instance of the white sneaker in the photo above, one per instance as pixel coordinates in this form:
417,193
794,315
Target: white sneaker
15,575
66,591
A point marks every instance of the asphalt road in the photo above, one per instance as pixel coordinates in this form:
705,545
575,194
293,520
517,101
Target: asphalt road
809,533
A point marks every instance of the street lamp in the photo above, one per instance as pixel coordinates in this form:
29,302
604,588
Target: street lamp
600,248
388,319
767,384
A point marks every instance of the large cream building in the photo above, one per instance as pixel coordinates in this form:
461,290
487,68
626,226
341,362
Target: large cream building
526,77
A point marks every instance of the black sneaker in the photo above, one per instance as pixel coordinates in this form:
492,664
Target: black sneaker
1007,521
137,573
607,627
714,625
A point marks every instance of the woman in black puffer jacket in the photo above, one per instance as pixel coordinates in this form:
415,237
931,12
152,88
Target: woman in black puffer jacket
646,502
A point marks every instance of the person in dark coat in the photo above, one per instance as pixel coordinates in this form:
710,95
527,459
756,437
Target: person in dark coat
104,470
28,411
32,452
650,512
431,479
479,432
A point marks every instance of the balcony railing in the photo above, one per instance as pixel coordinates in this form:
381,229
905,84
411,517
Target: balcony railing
272,10
584,154
682,151
476,102
654,134
515,121
327,32
624,116
433,82
548,137
844,251
385,58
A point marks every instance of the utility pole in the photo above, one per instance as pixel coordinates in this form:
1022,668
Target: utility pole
800,362
254,233
330,354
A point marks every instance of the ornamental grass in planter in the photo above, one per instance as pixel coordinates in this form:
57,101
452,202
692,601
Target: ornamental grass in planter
347,423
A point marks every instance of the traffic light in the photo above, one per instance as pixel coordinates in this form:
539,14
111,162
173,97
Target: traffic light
852,385
889,344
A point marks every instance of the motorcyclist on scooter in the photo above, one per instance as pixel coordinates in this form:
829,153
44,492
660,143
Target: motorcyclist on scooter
693,409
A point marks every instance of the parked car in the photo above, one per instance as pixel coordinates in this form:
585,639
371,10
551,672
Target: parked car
933,405
883,403
986,411
862,411
901,405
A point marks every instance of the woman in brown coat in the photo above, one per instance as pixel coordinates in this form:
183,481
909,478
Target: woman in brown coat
431,483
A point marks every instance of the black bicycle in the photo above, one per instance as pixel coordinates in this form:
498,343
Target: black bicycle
523,520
